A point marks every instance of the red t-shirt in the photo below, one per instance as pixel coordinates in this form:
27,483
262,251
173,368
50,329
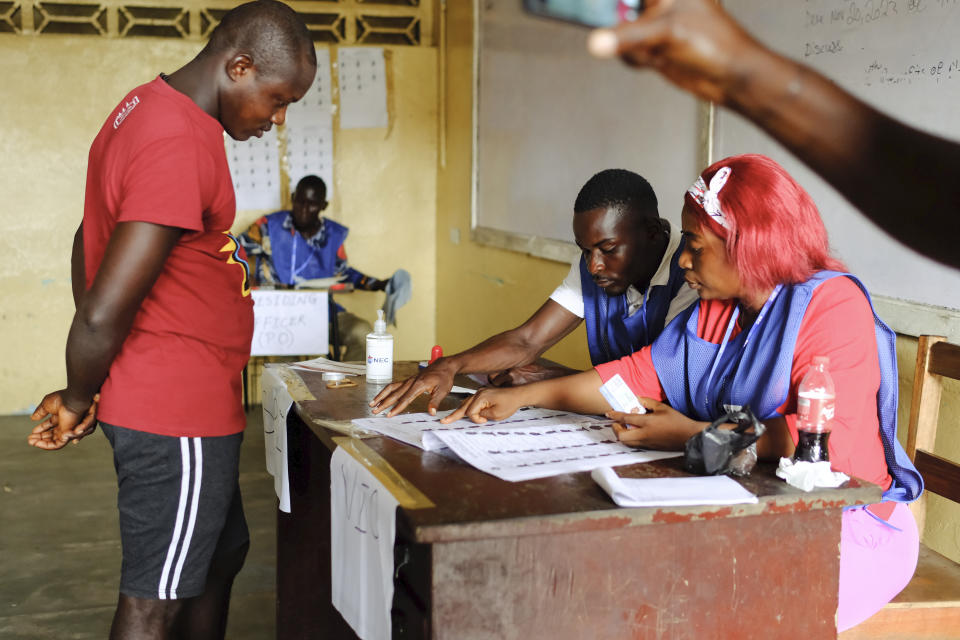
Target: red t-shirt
838,324
159,158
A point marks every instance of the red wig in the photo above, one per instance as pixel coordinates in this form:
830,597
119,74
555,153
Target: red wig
774,233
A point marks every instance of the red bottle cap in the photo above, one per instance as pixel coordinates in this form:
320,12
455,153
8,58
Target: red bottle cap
436,353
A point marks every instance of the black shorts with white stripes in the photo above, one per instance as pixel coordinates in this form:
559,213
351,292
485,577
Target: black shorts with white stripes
179,504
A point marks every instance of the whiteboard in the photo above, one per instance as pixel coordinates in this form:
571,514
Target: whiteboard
549,116
900,56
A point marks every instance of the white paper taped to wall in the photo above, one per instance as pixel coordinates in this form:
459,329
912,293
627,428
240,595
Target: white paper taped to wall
363,87
310,130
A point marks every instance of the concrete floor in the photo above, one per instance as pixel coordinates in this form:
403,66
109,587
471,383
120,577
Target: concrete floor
60,543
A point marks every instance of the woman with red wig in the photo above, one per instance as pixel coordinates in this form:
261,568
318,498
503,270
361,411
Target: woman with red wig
771,299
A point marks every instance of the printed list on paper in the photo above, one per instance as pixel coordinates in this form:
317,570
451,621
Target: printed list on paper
420,429
526,453
363,87
310,130
255,171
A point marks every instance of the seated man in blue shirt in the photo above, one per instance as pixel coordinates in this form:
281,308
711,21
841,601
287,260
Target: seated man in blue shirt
289,246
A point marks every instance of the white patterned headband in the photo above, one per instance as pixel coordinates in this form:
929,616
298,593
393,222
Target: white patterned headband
709,198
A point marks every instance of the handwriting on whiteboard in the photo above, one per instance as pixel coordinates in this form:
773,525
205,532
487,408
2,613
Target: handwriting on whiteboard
846,30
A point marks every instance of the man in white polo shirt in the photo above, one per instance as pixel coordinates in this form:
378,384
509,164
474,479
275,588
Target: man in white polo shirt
626,285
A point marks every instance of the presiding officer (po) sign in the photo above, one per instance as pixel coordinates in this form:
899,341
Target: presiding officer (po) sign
290,323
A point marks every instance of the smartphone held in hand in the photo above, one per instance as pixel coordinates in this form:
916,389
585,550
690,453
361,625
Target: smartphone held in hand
589,13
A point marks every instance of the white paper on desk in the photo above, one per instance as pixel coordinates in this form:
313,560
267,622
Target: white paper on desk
316,283
276,406
462,390
362,530
420,429
526,453
323,364
671,492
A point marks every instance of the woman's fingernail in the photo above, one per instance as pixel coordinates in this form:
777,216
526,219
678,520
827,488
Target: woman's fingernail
602,43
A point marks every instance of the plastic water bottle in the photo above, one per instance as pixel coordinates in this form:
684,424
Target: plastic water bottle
379,352
815,411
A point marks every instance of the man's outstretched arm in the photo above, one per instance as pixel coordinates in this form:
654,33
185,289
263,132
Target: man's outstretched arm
901,178
516,347
132,262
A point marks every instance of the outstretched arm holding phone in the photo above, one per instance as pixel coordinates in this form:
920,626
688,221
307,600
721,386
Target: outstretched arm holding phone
854,147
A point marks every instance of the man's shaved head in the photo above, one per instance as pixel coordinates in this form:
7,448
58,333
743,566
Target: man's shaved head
269,31
621,189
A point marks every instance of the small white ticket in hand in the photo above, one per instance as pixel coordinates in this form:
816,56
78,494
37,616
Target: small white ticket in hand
616,392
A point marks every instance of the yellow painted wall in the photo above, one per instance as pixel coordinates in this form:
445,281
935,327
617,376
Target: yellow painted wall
481,290
55,94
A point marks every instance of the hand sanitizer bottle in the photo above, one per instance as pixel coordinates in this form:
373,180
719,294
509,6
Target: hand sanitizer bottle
379,352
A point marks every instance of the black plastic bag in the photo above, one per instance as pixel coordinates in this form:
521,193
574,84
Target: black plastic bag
715,451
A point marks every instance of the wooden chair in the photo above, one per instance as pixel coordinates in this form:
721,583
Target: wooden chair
929,607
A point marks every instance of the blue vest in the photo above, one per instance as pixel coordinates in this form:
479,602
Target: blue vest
611,333
294,256
753,368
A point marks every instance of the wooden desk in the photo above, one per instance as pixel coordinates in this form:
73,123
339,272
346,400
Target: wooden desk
555,558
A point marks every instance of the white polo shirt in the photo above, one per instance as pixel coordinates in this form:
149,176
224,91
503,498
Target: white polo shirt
569,294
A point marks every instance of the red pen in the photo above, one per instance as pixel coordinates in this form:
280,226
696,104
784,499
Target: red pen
436,353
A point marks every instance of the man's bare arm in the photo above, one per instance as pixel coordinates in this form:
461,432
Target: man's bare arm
855,148
516,347
78,271
131,264
578,393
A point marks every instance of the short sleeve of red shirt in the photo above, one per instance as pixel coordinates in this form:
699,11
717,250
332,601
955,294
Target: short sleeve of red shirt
637,371
838,323
147,192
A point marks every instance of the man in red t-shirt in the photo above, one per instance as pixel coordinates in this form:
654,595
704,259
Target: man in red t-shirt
164,317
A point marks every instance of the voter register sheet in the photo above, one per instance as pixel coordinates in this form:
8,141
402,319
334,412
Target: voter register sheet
533,443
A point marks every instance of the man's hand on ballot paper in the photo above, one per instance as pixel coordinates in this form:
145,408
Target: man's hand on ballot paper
61,424
489,404
436,379
662,427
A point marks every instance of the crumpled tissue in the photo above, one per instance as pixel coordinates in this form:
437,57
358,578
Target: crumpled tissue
808,475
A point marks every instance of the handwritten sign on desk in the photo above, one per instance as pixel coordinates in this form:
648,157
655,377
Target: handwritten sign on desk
362,531
289,323
277,402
